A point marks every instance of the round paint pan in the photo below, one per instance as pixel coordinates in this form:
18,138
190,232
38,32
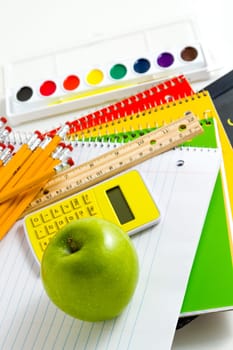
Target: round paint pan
94,77
165,60
71,82
24,94
47,88
189,54
118,71
141,65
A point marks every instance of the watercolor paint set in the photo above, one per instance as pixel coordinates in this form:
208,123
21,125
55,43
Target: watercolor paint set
102,71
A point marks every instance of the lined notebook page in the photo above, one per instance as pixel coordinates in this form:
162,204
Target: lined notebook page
28,320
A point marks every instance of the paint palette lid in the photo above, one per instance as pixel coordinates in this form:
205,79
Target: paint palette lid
103,70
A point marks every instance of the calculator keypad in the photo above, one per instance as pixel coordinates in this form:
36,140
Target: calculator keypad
44,224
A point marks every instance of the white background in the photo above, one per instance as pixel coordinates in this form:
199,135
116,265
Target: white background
29,28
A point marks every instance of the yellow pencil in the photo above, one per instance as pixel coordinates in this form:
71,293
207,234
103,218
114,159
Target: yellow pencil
4,133
25,167
6,152
23,161
39,157
17,160
3,122
25,177
12,209
56,139
25,187
31,183
31,166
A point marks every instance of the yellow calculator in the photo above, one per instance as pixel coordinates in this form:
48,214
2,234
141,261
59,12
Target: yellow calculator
125,200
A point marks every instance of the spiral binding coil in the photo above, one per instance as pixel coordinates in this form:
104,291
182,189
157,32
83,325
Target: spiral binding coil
119,135
137,124
128,136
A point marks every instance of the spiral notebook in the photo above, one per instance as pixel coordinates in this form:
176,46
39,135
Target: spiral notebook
28,320
210,286
215,292
200,104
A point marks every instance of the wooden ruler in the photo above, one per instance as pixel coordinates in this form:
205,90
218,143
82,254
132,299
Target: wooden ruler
117,160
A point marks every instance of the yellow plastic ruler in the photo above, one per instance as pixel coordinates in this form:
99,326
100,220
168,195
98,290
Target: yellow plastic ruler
117,160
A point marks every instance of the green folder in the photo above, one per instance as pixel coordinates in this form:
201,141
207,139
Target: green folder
210,285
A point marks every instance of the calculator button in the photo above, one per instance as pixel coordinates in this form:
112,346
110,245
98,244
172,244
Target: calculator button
46,215
82,213
36,220
48,221
51,228
75,202
91,210
87,198
71,217
61,222
66,207
44,242
40,232
56,212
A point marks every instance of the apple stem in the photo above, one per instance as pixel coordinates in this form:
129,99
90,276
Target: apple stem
73,245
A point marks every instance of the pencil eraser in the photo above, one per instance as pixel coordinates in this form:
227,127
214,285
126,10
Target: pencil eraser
70,147
8,128
11,147
37,132
62,144
2,146
70,162
3,120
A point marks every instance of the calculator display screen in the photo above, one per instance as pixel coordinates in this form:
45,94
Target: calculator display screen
120,205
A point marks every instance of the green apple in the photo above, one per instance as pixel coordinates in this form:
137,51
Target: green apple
90,269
